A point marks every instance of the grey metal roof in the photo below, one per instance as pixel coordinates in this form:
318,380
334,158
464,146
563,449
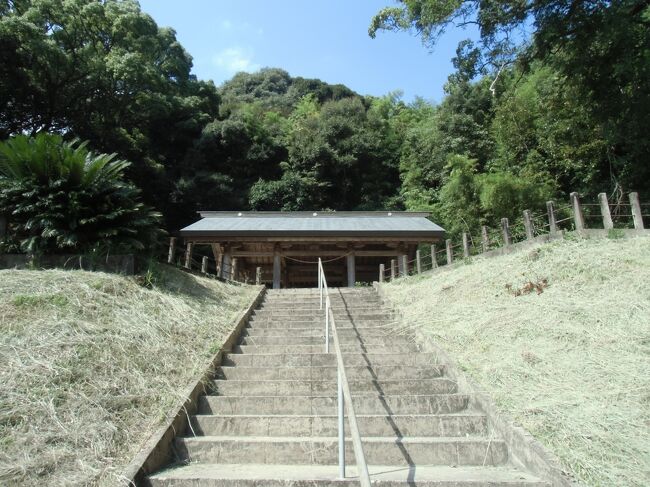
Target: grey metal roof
349,223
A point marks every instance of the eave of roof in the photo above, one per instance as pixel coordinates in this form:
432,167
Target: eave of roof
314,224
310,214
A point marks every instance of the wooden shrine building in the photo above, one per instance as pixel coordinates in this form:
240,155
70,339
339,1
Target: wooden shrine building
287,245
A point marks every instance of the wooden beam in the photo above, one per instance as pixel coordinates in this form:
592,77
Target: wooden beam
317,253
276,268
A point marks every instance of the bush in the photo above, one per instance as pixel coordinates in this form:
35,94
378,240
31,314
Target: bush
58,196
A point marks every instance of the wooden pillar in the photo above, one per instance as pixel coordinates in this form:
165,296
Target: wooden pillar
636,211
608,224
382,271
393,265
277,268
258,275
204,265
505,229
220,262
352,279
450,251
170,255
402,263
485,239
233,274
434,259
465,245
216,253
226,272
552,222
577,211
528,224
418,261
188,255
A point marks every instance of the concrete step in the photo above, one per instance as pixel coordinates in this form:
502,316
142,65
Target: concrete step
464,424
314,291
318,323
371,331
338,307
256,475
312,316
363,403
324,450
325,359
313,388
338,310
348,348
315,304
320,340
388,372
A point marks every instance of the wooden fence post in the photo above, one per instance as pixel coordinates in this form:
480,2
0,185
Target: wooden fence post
450,251
552,222
485,240
172,250
608,224
465,245
418,261
382,271
577,211
505,229
528,224
393,264
434,260
188,255
258,275
636,211
204,265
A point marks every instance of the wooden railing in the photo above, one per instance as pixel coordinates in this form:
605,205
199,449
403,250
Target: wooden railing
575,215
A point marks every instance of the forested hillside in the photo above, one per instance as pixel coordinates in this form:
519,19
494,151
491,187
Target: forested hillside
563,113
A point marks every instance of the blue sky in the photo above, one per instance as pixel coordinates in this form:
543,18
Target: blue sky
326,39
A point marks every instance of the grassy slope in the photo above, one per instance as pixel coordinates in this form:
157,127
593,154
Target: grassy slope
92,362
570,364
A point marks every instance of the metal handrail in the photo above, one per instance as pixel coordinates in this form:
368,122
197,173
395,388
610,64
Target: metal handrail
343,389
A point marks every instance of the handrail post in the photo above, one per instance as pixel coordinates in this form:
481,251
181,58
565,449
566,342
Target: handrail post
341,403
327,324
320,281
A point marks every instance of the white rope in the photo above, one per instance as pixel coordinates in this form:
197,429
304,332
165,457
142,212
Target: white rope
315,261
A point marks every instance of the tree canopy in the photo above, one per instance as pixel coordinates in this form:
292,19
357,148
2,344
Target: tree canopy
553,98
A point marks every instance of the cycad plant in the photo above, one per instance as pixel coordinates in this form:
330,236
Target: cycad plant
60,197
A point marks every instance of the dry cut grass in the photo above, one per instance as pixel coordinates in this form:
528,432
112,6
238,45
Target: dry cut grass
92,362
560,337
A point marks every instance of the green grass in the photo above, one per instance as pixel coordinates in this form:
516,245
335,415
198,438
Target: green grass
92,362
569,361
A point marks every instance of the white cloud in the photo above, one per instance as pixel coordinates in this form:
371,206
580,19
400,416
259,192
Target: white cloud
235,59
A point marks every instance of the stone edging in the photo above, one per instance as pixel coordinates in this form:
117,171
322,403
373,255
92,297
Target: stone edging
157,451
524,449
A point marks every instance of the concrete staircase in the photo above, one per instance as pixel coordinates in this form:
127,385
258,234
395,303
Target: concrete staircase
271,417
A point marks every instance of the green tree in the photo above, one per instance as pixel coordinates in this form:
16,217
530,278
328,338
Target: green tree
58,196
103,71
600,48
